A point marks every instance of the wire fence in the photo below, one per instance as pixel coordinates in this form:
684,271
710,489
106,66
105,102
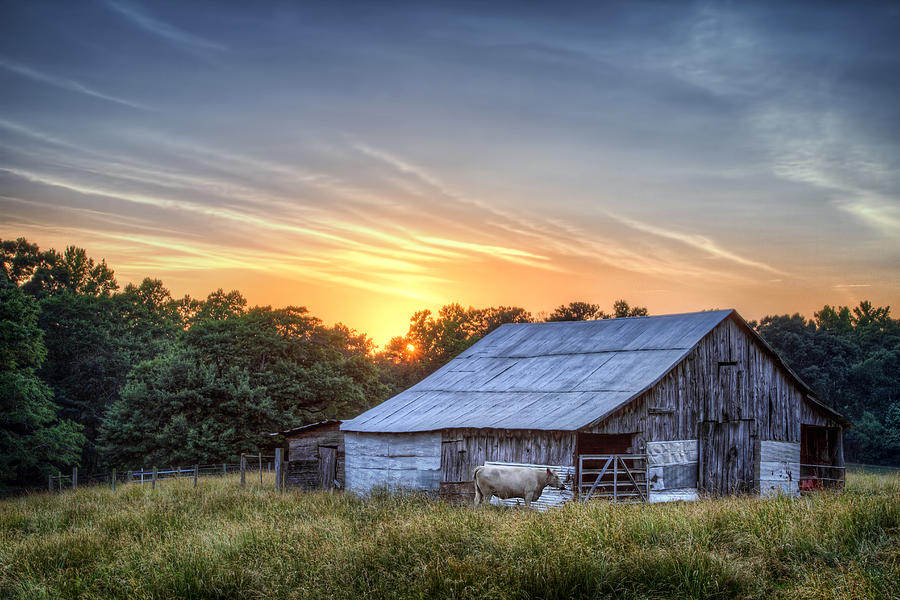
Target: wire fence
255,464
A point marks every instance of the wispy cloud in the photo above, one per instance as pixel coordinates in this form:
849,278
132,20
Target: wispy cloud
67,84
169,32
877,212
699,242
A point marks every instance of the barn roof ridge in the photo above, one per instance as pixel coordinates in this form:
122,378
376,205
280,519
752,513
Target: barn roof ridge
579,353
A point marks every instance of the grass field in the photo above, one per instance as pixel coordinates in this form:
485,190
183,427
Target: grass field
221,541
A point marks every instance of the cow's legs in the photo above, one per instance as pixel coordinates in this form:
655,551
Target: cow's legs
528,499
478,495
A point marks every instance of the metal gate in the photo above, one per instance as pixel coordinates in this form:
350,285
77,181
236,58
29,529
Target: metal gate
612,476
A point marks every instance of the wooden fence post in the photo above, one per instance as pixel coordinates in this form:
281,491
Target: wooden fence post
114,480
196,474
260,470
243,470
177,471
278,470
153,481
74,477
224,469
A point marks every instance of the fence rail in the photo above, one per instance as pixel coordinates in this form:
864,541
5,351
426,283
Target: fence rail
254,463
814,476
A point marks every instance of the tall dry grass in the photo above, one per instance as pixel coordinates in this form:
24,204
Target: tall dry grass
222,541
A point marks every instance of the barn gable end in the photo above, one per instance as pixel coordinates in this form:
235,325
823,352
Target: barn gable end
731,385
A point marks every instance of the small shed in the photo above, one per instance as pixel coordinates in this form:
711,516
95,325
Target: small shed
315,457
647,408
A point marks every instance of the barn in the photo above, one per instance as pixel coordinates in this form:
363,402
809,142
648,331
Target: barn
315,455
646,408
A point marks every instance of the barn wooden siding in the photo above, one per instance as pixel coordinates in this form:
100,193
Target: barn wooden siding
753,388
464,449
394,461
312,453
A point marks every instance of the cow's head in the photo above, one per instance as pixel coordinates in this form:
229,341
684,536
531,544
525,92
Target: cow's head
553,480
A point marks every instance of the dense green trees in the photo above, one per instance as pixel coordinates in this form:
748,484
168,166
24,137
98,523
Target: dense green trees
93,343
40,274
851,358
229,381
149,378
33,440
585,311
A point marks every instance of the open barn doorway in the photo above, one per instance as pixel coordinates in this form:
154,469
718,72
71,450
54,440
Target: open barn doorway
821,458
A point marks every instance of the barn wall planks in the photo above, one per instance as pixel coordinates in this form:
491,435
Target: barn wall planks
304,456
464,449
729,376
393,461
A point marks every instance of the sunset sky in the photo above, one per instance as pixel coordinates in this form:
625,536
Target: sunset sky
370,160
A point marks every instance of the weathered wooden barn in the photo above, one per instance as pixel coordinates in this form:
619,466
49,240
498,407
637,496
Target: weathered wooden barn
652,408
315,456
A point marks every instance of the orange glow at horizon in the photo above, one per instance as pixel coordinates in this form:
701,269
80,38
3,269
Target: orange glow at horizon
479,281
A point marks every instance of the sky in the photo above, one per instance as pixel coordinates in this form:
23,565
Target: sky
368,160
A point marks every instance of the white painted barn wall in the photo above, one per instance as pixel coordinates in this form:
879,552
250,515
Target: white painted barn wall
393,460
778,468
672,470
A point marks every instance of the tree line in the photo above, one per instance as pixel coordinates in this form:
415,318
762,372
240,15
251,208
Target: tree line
851,358
103,377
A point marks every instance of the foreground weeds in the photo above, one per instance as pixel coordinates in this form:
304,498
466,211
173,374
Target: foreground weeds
222,541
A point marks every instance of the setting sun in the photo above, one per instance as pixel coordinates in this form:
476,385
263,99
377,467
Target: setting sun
410,348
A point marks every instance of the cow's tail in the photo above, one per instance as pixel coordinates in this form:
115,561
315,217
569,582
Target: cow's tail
479,495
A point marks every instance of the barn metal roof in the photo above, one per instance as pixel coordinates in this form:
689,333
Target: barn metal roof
550,376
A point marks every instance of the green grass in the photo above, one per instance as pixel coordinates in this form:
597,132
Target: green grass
221,541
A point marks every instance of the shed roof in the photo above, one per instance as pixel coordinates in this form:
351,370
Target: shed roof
308,427
550,376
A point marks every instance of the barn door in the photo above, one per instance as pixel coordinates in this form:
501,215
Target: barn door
327,466
726,457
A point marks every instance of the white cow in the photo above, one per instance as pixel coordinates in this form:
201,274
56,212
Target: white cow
512,482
